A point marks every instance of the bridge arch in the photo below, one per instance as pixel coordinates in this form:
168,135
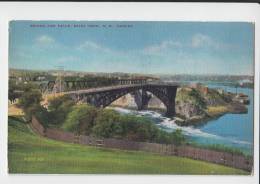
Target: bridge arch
103,98
142,99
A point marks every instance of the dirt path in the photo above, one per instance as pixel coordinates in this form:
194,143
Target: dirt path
13,110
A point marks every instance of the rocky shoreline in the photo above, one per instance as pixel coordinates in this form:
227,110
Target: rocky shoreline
233,108
196,104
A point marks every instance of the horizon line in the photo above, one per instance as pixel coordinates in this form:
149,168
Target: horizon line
251,75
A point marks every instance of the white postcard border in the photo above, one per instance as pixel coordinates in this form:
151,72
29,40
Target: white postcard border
123,11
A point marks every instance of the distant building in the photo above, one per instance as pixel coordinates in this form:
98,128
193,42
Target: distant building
204,90
196,85
40,78
200,87
245,81
220,91
241,95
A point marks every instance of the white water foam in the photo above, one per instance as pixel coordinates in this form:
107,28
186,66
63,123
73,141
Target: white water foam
171,125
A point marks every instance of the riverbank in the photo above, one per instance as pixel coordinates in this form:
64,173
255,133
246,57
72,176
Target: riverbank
212,112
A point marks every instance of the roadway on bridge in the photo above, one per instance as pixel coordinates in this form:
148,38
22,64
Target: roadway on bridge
109,88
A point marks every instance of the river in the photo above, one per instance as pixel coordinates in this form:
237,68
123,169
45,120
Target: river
232,130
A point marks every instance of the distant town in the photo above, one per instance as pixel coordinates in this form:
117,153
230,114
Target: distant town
38,75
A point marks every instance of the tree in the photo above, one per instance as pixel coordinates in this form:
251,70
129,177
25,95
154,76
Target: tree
11,91
197,98
177,137
163,137
138,128
16,90
57,102
107,124
59,108
39,112
30,98
143,133
81,119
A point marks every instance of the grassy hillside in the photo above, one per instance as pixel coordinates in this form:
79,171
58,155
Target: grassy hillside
29,153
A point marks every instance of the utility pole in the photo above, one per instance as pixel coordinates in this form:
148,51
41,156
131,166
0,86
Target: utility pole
59,77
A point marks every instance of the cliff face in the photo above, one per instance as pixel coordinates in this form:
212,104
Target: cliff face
128,101
189,103
198,103
155,103
188,110
125,101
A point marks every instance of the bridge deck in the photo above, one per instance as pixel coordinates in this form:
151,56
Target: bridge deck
110,88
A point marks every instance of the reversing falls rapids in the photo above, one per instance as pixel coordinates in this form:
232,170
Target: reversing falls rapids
231,130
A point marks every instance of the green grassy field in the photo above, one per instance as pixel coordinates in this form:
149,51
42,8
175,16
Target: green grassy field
30,153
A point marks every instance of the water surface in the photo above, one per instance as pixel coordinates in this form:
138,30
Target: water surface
233,130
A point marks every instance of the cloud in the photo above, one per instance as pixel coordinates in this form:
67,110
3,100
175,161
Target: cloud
67,59
44,39
89,45
200,40
157,48
23,54
180,47
44,43
204,41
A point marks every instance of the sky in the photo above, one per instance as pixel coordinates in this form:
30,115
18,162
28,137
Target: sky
133,47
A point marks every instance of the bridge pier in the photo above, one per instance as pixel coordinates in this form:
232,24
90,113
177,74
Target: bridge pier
141,99
171,94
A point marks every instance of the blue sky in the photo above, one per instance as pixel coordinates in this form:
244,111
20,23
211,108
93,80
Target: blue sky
135,47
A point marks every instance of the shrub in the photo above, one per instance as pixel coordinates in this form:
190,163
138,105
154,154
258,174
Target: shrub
39,112
106,124
138,128
81,119
59,108
177,137
30,98
163,137
57,102
197,99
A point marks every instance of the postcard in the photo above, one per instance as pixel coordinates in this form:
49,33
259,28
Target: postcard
131,97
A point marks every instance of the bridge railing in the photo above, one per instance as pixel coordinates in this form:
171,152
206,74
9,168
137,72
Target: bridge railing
77,85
